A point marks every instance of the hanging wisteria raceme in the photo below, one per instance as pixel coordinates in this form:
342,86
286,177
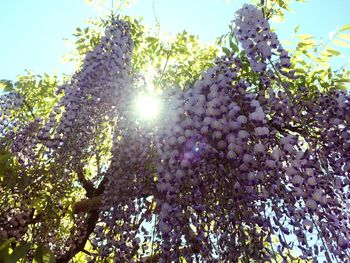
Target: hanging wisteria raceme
230,166
102,92
323,130
9,102
89,101
204,166
93,94
130,182
266,150
260,43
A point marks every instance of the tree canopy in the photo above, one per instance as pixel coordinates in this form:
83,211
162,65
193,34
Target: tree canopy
175,151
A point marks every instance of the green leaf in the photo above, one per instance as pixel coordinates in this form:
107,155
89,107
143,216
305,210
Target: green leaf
4,157
226,51
342,80
341,43
4,255
282,4
6,85
344,28
19,252
81,40
296,29
333,51
305,36
344,36
321,59
5,244
307,42
233,46
5,250
43,255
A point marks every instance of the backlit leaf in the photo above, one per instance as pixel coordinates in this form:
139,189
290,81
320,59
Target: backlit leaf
305,36
296,29
333,51
344,28
19,252
341,43
344,36
43,255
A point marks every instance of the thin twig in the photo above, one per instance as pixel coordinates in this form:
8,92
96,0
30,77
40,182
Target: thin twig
29,108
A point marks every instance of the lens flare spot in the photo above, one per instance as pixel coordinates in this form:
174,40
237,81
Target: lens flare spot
148,107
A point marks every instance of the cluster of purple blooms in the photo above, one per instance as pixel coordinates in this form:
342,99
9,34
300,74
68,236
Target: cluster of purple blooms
227,156
253,31
225,171
9,102
93,94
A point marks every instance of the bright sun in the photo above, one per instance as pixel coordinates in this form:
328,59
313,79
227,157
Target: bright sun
148,107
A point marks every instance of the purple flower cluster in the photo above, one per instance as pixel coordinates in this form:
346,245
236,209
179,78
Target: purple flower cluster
93,94
214,146
227,157
14,225
9,102
14,128
130,180
89,102
253,32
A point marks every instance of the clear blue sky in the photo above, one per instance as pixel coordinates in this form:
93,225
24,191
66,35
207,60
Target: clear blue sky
32,32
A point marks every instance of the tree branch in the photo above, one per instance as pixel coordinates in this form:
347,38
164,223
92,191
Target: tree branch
87,185
80,242
92,207
87,205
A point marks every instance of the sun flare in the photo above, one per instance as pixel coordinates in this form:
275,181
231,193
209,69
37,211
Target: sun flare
148,107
